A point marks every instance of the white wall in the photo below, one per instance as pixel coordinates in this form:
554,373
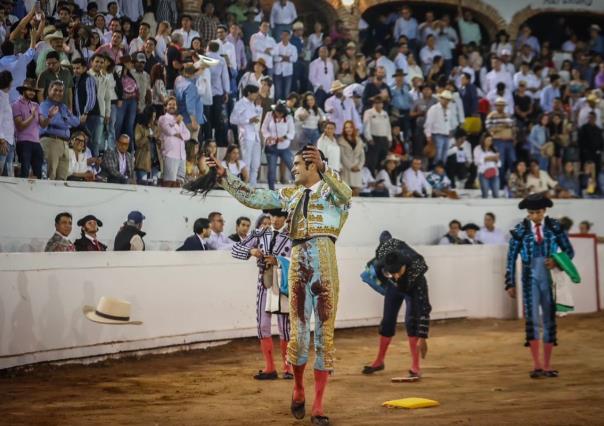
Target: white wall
200,297
29,208
507,9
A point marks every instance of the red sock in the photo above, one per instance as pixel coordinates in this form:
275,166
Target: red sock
534,345
286,367
414,354
547,355
384,342
266,344
320,384
299,382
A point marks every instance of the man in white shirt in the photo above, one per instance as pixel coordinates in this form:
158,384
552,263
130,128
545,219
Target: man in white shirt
340,108
414,180
7,129
407,25
498,75
286,55
381,60
133,9
437,127
246,116
489,234
218,239
428,53
283,15
138,43
321,75
188,34
591,105
533,84
263,46
227,51
378,133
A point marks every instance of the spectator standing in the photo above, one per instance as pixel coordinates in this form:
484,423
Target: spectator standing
402,101
173,133
469,31
328,144
26,114
128,101
537,139
220,95
145,140
190,104
283,15
414,180
352,155
207,23
378,133
103,98
263,46
118,163
86,105
55,72
309,116
139,42
490,235
591,106
377,86
278,131
7,126
497,75
250,26
549,93
339,108
591,141
428,53
151,57
437,127
406,25
60,242
143,81
130,236
199,240
285,55
185,30
88,241
55,134
218,240
174,60
247,116
487,161
501,126
114,48
321,75
452,237
418,114
469,96
242,229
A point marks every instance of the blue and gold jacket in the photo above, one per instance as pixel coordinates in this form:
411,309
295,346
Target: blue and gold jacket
327,208
523,243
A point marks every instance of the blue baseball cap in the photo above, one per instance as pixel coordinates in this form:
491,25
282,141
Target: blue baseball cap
136,217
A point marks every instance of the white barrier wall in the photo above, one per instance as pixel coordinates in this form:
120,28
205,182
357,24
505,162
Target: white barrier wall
29,208
200,297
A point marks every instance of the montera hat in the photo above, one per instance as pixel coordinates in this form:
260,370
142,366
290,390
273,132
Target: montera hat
470,226
88,217
110,310
276,212
535,202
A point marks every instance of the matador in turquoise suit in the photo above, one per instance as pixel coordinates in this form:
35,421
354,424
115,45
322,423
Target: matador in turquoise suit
317,209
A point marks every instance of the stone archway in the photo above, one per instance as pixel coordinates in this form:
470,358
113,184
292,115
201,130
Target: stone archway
527,13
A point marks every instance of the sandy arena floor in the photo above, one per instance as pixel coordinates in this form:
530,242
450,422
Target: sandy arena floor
476,369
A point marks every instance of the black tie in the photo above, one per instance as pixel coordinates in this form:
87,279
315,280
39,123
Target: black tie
305,205
273,242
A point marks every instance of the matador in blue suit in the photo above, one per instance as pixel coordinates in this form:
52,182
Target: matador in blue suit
536,239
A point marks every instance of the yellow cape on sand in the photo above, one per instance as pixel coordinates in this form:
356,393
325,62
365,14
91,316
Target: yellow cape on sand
411,403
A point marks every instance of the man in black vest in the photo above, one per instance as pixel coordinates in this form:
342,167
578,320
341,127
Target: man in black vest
198,241
130,236
86,105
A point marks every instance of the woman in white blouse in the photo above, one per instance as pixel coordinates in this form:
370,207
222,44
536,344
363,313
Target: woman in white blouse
328,144
502,44
163,40
414,69
309,116
78,165
253,77
487,161
278,131
234,165
315,40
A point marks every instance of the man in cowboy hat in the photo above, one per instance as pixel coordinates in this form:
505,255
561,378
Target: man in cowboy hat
340,109
28,121
88,241
437,127
265,245
501,126
55,44
536,239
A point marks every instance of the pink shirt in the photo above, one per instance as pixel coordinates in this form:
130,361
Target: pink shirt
173,137
23,108
108,49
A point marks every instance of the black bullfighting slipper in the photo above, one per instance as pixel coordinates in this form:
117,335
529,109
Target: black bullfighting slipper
319,420
537,374
288,376
298,409
551,373
368,369
266,376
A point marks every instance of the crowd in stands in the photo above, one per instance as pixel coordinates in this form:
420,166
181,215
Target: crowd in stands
137,92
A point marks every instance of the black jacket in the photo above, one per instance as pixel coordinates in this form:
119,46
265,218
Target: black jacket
469,99
84,244
192,243
123,237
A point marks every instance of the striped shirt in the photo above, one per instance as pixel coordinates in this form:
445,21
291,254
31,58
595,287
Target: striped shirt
89,96
500,125
166,11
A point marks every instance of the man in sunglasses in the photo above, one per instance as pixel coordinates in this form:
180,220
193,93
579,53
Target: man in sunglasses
218,239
